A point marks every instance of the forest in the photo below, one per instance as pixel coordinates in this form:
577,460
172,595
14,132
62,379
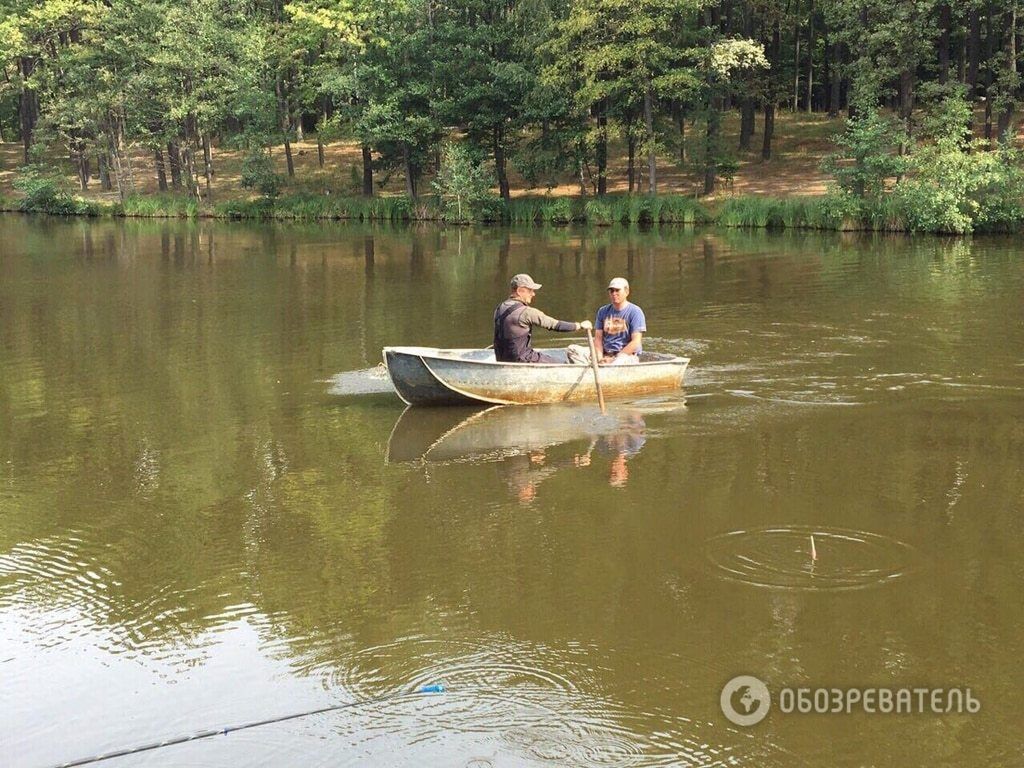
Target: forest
467,103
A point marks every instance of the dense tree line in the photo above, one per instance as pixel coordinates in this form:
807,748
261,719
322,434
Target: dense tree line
539,85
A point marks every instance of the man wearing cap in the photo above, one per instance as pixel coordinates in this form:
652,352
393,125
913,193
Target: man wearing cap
513,320
620,326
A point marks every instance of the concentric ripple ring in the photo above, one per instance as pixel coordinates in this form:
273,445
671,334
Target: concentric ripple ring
810,558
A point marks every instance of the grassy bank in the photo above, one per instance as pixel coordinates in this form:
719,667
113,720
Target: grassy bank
823,212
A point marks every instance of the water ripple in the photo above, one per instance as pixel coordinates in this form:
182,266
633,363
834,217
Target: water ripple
810,558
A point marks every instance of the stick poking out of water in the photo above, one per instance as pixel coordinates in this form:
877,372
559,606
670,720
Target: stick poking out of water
814,552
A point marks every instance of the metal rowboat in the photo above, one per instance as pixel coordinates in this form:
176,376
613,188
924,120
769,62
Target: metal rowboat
431,376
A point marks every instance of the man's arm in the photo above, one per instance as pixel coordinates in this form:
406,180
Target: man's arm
532,316
635,339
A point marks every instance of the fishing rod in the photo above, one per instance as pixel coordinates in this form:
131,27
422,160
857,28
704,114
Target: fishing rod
432,688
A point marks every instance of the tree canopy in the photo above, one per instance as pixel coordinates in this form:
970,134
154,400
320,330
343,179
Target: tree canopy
535,86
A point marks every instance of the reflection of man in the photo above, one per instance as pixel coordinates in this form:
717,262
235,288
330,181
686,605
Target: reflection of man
622,445
513,320
524,473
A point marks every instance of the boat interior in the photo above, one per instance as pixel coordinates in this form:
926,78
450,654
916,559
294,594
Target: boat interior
487,355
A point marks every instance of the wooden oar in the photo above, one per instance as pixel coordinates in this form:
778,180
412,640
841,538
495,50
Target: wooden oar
593,364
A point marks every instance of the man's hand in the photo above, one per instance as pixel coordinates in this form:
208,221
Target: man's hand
586,325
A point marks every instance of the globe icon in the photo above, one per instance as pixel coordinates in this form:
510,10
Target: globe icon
745,700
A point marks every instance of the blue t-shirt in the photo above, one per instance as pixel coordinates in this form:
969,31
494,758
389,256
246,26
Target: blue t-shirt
618,325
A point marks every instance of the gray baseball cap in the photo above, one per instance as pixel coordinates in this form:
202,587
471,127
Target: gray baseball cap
523,280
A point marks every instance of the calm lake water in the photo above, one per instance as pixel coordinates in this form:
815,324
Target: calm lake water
213,510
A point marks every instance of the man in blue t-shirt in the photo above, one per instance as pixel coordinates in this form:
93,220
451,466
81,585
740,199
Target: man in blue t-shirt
620,326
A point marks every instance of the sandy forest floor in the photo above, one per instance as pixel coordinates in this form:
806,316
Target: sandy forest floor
801,141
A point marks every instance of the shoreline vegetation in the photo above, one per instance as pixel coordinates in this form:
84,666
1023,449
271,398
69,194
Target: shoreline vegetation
834,211
806,185
822,212
824,115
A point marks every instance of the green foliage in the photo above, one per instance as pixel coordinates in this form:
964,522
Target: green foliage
953,184
524,210
744,212
245,209
161,206
258,173
558,210
598,211
306,207
464,185
838,210
867,155
677,209
40,189
43,193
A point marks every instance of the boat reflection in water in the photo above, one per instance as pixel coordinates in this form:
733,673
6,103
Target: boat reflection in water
525,441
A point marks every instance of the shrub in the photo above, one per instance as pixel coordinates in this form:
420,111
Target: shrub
838,209
954,184
42,192
258,173
463,184
557,210
524,210
598,212
866,156
161,205
678,209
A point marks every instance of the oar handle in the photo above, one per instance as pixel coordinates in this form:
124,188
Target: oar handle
593,364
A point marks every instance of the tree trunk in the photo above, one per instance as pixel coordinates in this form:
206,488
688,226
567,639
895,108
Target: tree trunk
945,22
499,164
410,181
174,160
284,120
367,171
208,165
906,98
682,136
989,74
103,162
161,170
82,162
191,177
711,144
319,139
602,149
652,170
973,51
796,64
28,106
115,154
747,112
1010,39
631,163
810,58
288,156
836,74
769,130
